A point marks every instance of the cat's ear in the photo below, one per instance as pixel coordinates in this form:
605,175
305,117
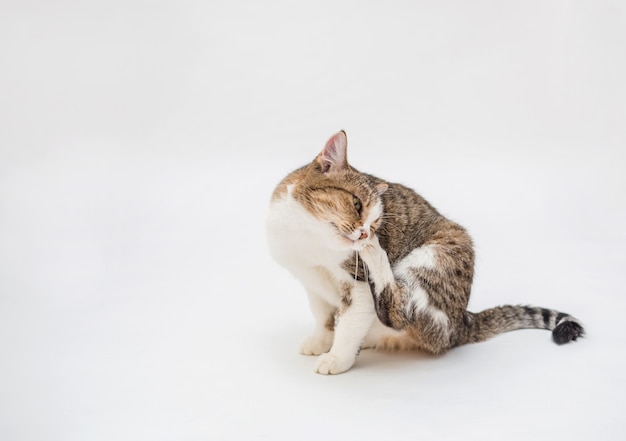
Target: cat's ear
334,156
381,188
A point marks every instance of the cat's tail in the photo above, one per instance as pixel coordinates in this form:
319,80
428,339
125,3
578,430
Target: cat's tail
490,322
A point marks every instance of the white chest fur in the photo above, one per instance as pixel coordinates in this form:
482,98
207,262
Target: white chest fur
303,244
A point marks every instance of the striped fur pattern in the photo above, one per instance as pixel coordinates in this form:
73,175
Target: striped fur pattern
382,267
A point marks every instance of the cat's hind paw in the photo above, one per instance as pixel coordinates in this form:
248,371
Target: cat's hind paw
330,364
316,345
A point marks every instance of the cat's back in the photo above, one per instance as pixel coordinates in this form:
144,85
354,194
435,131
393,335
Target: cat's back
410,221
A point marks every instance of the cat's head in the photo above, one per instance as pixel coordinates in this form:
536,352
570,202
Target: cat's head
340,196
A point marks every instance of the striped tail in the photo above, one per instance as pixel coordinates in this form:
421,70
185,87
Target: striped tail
490,322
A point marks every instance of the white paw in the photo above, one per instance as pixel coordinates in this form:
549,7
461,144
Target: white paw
316,345
329,364
371,252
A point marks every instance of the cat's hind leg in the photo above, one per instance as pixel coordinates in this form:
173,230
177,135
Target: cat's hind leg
382,337
390,296
401,302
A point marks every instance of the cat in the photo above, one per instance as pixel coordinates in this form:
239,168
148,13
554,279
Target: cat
382,268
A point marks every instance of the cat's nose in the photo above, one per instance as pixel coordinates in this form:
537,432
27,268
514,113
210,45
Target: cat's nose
363,235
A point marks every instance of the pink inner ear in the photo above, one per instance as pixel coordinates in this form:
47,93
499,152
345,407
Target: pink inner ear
334,154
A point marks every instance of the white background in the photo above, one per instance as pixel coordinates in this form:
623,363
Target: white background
139,145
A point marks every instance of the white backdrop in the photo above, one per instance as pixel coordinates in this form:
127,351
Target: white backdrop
139,145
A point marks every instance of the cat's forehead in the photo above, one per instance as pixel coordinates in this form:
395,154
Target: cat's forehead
345,187
350,183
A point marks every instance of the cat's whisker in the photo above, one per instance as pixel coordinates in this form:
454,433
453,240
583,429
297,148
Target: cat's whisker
383,227
365,270
392,224
385,221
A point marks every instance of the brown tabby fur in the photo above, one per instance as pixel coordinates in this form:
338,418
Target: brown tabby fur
407,223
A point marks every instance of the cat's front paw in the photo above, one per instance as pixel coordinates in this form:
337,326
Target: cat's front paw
371,250
316,345
330,364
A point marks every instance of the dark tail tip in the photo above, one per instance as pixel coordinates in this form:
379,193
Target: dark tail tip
567,331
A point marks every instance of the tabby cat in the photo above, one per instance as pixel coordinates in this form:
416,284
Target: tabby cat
381,267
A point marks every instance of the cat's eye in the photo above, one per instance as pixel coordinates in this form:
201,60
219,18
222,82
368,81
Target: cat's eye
357,204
